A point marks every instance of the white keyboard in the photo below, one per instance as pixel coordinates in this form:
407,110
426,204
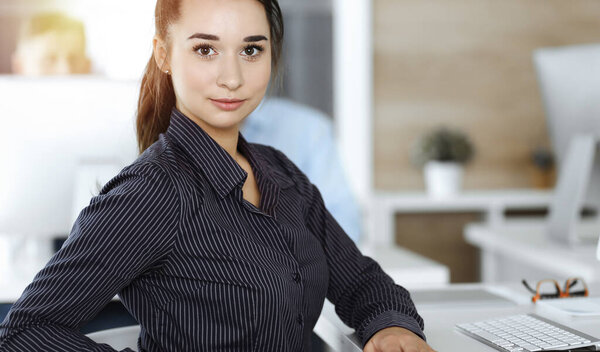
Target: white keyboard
526,333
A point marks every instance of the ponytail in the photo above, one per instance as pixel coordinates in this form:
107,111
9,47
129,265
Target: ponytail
156,100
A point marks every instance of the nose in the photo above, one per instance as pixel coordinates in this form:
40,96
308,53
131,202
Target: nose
230,74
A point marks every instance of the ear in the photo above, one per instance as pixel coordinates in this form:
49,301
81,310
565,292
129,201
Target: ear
160,54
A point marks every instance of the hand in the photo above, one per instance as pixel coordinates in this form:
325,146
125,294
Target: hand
396,339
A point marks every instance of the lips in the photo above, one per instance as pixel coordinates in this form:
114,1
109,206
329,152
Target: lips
228,104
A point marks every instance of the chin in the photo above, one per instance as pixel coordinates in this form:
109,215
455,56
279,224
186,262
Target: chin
226,120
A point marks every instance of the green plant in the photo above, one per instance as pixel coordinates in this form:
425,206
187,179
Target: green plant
442,144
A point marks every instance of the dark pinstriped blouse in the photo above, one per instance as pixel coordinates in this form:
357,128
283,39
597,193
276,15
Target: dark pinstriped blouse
201,268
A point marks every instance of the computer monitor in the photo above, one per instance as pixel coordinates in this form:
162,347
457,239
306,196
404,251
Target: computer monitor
55,131
569,81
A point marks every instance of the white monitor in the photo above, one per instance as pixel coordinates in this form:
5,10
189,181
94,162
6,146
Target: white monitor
569,81
54,132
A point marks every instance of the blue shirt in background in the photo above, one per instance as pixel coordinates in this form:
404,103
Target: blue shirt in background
306,137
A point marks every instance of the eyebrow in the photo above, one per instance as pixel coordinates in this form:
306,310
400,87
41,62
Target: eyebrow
250,39
255,38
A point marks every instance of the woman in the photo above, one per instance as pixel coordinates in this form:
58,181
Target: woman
213,244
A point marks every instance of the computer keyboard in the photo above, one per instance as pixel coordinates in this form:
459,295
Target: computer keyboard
526,333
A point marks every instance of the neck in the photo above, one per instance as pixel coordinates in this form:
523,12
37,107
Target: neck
227,138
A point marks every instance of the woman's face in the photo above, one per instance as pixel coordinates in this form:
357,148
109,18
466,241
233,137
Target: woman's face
220,61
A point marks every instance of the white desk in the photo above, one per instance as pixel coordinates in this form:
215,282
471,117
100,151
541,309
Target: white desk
383,207
407,268
440,318
441,315
519,250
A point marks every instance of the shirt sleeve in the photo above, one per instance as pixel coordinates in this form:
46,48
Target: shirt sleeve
320,161
365,297
125,232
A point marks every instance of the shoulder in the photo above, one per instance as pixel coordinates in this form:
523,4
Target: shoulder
154,169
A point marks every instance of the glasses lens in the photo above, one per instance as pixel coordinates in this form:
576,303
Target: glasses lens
548,288
575,287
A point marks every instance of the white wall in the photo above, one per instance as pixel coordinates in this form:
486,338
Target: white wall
353,89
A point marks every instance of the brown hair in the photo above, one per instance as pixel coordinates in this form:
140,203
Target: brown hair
157,96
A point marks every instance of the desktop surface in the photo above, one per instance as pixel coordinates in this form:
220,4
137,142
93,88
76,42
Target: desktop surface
521,250
441,317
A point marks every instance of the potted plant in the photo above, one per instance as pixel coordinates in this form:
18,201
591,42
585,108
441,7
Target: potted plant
443,153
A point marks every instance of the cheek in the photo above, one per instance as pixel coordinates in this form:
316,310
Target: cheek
190,77
259,77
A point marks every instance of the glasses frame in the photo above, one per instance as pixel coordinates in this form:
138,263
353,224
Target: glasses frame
560,293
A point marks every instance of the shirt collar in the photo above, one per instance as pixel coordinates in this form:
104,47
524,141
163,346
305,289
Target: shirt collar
221,170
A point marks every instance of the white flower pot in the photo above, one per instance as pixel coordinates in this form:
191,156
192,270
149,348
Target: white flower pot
443,179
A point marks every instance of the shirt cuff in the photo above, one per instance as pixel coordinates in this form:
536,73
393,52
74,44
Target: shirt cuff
386,320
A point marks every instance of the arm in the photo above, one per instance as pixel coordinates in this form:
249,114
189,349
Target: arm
365,298
124,231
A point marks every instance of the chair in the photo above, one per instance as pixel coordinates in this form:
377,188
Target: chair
118,338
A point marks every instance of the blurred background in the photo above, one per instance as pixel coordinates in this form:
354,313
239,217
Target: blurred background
398,78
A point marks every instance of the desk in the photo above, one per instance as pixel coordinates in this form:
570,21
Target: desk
440,318
519,249
492,204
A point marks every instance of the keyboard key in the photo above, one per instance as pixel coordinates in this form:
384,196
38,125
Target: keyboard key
486,335
557,345
524,333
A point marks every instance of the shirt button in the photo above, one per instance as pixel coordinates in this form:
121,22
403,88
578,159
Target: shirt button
296,277
299,319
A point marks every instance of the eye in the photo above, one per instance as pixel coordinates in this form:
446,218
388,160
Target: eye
252,51
205,50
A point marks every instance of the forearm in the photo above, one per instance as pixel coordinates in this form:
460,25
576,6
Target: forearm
372,302
35,335
366,298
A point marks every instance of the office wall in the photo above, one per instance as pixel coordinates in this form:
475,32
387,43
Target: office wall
467,63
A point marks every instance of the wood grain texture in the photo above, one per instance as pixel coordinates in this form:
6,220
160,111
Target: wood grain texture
439,236
467,64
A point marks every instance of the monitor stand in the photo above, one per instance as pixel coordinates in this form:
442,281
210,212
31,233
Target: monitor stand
577,187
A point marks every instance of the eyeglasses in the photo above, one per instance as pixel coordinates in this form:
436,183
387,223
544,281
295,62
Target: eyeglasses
548,288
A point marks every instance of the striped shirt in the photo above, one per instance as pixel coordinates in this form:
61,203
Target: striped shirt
201,268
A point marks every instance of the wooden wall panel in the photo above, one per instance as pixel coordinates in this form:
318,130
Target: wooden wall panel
439,236
467,64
